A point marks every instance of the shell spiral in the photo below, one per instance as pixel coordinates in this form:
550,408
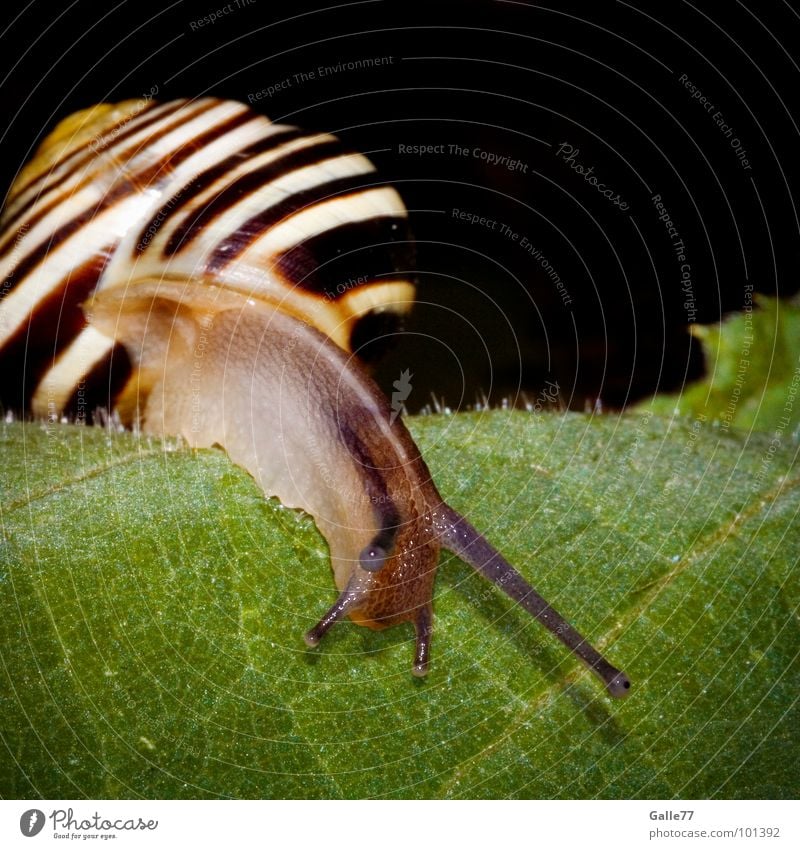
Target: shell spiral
207,191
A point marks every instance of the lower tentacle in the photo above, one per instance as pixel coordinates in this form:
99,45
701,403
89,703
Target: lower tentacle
348,600
423,626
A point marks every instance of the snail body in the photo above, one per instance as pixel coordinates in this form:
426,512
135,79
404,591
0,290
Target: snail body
210,272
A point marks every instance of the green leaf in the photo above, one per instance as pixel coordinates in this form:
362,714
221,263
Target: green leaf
752,371
152,605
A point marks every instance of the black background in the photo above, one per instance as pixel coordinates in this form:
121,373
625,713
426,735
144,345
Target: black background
515,79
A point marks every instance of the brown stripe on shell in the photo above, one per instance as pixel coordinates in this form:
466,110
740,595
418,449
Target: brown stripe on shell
147,107
92,145
248,184
101,386
170,160
230,247
125,155
54,324
353,254
46,208
198,184
132,184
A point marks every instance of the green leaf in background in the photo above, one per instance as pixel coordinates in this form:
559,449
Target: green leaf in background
752,370
152,605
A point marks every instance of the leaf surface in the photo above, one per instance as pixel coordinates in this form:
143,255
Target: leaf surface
152,605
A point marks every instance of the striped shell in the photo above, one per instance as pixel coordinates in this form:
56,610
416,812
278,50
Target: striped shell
204,190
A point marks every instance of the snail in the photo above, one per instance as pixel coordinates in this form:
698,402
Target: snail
203,272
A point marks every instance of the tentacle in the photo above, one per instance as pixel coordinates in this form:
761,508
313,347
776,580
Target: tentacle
458,536
423,625
348,600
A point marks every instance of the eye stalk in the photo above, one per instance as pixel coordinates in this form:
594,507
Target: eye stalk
462,539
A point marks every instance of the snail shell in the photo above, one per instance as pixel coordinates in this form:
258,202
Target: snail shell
204,273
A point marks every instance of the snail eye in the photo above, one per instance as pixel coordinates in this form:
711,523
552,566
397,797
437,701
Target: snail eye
373,558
